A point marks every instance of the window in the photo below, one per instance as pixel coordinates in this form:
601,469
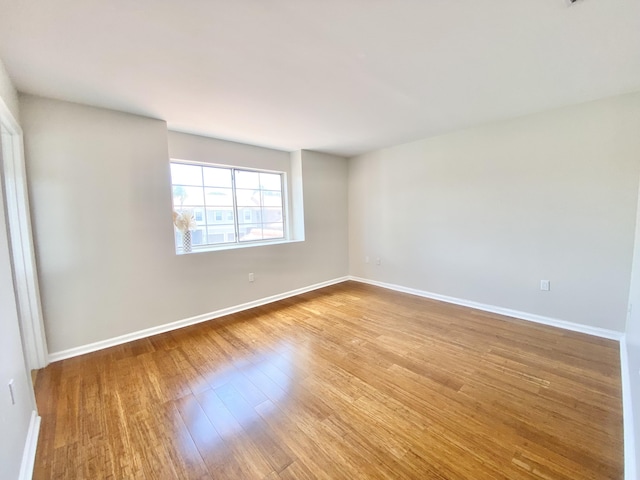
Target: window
226,205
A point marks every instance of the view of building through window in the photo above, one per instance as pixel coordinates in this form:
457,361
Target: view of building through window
227,205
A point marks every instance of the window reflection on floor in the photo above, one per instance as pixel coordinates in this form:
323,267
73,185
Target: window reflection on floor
242,394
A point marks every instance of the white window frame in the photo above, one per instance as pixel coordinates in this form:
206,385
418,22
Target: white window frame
235,209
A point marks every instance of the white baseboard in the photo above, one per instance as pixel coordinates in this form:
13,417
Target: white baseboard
92,347
554,322
30,445
630,467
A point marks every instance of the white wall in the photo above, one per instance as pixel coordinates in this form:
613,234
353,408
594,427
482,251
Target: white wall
195,148
14,419
486,213
8,94
101,205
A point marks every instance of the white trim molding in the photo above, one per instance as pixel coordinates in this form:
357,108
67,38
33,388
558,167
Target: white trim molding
553,322
30,445
92,347
22,249
630,467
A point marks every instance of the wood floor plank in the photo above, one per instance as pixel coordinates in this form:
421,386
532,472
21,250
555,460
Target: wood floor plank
217,455
278,455
244,448
349,381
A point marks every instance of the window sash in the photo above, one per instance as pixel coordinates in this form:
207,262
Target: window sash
238,211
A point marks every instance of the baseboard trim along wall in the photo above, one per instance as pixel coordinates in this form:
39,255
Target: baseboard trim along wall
129,337
111,342
575,327
630,467
30,445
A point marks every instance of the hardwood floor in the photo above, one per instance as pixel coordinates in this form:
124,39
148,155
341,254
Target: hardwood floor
350,381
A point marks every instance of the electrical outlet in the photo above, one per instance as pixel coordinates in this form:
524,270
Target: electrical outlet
545,285
378,261
366,259
251,277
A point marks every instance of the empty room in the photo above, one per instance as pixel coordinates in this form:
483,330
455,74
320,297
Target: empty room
295,239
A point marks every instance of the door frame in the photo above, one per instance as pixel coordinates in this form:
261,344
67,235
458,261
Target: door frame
22,247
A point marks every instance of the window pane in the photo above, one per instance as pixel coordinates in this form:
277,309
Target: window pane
255,213
186,174
271,198
249,233
273,230
272,215
248,198
250,215
198,214
247,179
217,177
198,237
216,237
220,216
270,181
187,196
221,233
222,197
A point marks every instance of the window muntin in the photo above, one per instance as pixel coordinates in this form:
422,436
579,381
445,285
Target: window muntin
230,205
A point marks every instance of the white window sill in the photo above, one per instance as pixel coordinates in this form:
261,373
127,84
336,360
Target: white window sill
233,246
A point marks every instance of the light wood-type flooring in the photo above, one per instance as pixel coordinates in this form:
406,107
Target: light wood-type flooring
351,381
